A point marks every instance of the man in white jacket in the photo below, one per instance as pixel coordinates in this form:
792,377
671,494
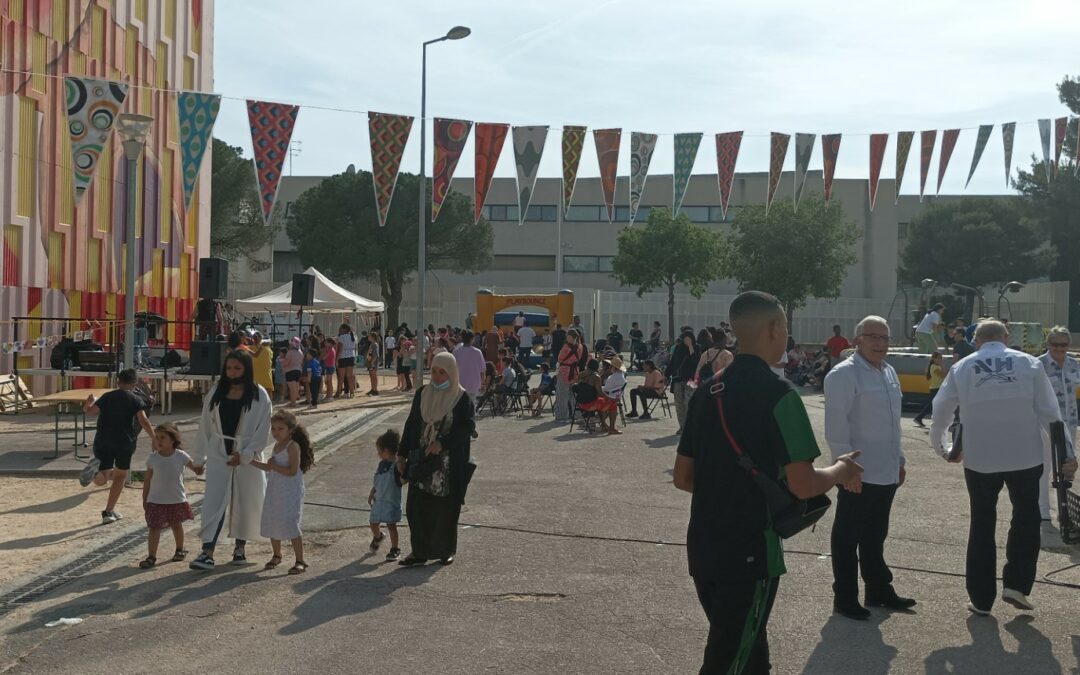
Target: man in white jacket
1006,405
1064,373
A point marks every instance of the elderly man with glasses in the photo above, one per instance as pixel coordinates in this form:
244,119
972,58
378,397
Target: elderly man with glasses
1064,373
862,412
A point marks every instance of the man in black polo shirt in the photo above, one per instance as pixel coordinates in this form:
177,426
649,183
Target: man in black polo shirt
735,556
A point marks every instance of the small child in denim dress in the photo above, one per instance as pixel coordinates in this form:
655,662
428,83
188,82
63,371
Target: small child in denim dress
385,496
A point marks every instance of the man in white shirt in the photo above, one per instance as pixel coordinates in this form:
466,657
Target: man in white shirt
862,412
927,328
389,344
525,342
1064,373
1006,405
471,366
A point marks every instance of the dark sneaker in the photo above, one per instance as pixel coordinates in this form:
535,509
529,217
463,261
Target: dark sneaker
376,542
394,554
89,471
238,556
852,610
645,416
631,415
889,600
109,517
202,562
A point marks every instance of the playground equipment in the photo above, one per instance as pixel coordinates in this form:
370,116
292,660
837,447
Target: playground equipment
560,307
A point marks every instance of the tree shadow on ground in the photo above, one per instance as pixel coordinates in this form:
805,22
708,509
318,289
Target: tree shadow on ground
44,539
848,646
347,592
986,653
56,506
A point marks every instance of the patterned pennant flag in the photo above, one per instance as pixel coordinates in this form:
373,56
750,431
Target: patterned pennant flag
927,140
727,152
271,128
1061,126
948,143
1044,136
196,114
804,148
686,147
389,133
778,145
904,140
1008,133
607,154
573,143
641,151
980,145
830,150
878,143
450,137
92,109
1075,123
528,149
489,143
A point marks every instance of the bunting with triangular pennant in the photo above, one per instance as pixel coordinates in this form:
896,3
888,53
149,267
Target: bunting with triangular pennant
1008,133
878,143
686,147
980,145
904,141
271,128
607,154
489,143
641,150
830,150
449,137
778,145
1044,136
1061,126
927,140
92,108
1076,150
196,113
389,134
528,149
948,143
573,143
727,153
804,149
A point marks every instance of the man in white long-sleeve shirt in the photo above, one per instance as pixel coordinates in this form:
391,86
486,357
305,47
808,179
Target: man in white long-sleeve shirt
1006,405
862,412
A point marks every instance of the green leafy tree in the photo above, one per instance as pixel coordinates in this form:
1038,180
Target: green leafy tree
975,242
335,227
1052,207
236,226
793,254
668,252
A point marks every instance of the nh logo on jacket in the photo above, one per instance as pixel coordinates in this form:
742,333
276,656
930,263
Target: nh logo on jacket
998,370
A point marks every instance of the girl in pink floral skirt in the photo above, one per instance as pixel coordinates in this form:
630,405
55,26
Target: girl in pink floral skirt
164,498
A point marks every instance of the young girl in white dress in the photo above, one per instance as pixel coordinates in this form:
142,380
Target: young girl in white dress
283,506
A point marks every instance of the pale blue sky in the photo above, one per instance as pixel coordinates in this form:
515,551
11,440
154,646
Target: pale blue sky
663,67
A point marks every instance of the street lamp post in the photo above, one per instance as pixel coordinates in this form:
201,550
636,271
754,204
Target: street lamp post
1011,287
455,33
133,130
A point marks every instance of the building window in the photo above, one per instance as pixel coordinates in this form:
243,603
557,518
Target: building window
698,214
516,263
585,214
622,213
716,215
288,210
496,212
902,230
540,213
587,263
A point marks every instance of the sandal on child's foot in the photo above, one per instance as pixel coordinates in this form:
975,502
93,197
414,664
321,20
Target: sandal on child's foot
376,542
299,568
274,562
179,555
393,555
148,562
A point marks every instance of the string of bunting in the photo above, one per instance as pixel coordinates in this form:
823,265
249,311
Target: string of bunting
93,105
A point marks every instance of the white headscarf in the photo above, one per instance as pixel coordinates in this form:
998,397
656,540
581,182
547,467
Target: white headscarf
435,404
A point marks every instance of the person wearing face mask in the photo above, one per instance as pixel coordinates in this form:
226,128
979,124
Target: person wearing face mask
234,429
440,424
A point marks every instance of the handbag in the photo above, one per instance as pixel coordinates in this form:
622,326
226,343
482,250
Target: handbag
789,514
421,465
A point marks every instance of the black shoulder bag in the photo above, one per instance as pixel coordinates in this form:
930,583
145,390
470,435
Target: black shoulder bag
789,514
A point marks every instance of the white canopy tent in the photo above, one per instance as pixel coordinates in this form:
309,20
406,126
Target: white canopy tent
329,298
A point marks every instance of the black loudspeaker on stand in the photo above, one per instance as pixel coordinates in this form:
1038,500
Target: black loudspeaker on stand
213,278
207,357
303,290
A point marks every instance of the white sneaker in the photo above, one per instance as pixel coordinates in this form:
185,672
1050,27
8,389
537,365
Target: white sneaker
86,476
975,610
1017,600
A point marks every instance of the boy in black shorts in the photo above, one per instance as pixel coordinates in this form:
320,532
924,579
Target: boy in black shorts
114,443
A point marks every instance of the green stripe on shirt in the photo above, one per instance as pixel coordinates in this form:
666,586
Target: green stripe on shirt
794,423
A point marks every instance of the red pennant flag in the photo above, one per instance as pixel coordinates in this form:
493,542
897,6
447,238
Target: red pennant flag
607,153
450,137
727,152
927,140
489,143
271,128
778,145
1061,126
878,143
830,148
948,142
903,149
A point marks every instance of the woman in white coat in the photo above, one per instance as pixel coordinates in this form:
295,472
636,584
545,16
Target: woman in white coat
235,428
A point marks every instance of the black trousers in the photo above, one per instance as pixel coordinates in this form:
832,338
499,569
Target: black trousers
1022,546
738,613
642,393
858,541
314,389
928,407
